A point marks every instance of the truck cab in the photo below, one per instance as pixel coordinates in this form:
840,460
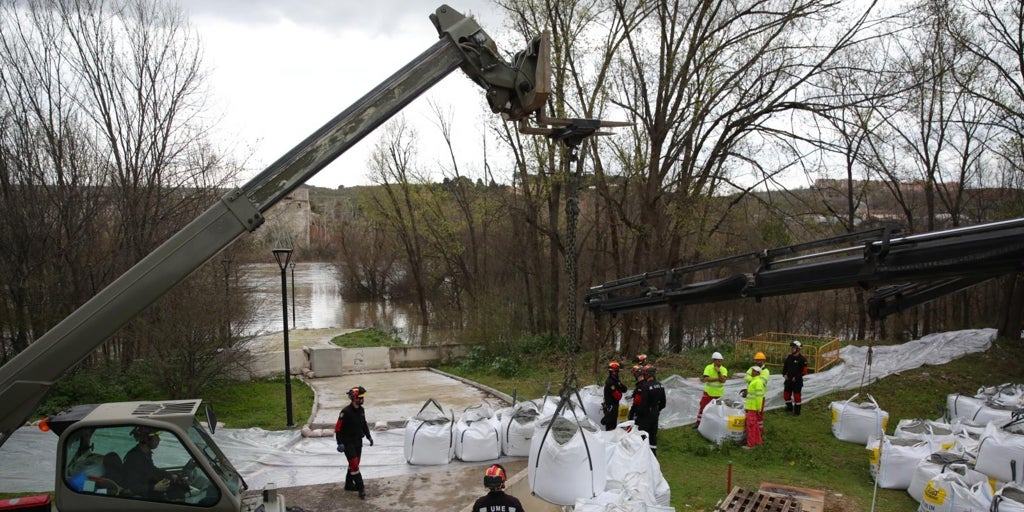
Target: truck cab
145,455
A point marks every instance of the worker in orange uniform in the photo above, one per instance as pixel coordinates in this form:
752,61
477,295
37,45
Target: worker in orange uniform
714,377
753,406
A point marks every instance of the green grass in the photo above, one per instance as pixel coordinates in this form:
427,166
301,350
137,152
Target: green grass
372,337
261,403
798,451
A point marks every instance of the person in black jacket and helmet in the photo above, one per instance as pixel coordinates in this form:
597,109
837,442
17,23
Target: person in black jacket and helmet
613,391
496,500
648,405
349,432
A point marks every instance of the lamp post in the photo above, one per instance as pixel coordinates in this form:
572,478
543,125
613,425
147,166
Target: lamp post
283,256
226,263
294,323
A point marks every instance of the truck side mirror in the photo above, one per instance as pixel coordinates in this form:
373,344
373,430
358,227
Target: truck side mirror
211,417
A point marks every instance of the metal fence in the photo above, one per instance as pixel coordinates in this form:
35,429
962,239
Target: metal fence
820,351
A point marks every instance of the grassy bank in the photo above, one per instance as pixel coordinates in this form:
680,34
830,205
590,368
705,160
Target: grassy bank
798,451
261,403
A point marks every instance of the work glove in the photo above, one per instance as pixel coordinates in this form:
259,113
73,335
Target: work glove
743,393
370,439
341,448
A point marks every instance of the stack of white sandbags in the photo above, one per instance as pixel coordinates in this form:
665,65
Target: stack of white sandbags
430,436
634,479
477,436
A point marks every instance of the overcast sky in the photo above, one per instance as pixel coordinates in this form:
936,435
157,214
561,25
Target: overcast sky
281,69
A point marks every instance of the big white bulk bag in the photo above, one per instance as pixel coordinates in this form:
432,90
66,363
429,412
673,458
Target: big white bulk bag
1007,394
962,406
1010,498
1001,455
942,462
856,422
893,460
430,436
947,492
477,436
978,410
937,434
592,398
723,420
517,425
567,459
633,468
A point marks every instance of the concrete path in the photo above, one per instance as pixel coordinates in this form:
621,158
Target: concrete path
392,397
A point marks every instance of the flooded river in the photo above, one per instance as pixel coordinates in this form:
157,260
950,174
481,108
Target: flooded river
318,304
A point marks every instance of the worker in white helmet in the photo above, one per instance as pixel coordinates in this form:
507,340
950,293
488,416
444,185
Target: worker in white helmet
714,377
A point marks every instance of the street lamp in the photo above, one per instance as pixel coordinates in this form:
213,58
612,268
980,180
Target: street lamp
226,263
283,256
294,323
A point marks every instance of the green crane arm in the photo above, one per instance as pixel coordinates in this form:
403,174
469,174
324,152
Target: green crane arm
511,89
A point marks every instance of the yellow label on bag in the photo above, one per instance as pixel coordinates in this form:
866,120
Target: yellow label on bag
835,415
934,495
873,456
737,423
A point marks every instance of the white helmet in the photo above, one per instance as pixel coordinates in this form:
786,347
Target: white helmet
797,344
717,355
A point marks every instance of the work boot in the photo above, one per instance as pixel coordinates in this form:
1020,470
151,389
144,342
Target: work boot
796,410
350,484
358,478
789,406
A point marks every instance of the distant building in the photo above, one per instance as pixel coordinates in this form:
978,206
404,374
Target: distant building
287,222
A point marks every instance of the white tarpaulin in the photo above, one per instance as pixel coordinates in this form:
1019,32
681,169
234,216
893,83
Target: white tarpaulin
287,459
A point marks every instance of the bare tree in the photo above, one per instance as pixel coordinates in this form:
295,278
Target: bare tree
392,167
104,153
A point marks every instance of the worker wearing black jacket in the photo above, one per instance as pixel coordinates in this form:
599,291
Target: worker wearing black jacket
496,500
648,403
349,432
613,390
793,370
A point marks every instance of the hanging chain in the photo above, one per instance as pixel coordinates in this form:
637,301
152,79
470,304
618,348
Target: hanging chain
572,212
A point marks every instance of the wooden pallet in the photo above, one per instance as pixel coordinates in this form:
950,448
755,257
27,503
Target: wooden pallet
742,500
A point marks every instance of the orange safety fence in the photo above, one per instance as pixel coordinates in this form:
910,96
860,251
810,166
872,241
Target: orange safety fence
820,351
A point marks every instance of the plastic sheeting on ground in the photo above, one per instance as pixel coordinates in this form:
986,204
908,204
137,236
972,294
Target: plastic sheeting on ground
27,460
934,349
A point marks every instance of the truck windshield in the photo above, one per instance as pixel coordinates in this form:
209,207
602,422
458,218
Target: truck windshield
217,459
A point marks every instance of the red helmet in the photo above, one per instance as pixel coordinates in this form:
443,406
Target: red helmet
494,477
356,392
614,366
640,359
650,370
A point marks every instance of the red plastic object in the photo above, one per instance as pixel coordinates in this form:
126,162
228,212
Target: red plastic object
37,503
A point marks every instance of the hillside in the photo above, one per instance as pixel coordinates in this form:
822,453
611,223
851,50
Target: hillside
798,451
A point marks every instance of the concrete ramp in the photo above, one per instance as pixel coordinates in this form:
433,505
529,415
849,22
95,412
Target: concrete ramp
392,397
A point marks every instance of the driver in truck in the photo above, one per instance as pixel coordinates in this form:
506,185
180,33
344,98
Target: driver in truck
144,478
